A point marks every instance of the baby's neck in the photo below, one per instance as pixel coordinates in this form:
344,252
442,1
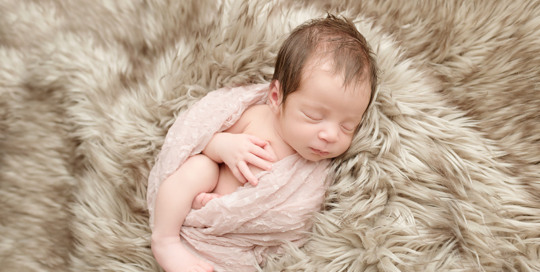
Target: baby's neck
286,148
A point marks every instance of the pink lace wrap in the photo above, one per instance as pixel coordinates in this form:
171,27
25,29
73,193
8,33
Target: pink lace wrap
236,231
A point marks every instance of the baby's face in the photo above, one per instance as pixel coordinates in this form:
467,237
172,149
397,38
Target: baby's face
320,118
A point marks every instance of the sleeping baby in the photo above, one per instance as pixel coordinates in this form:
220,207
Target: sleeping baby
324,79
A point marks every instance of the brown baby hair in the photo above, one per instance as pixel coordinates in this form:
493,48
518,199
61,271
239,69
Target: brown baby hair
351,54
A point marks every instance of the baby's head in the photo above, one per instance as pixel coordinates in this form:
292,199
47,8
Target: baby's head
324,80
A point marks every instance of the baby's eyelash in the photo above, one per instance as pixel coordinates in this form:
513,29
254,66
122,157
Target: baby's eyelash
349,130
314,119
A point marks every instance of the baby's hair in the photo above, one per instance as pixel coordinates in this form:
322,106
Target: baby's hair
351,54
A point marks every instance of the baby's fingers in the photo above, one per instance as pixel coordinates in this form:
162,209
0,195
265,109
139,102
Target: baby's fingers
256,140
244,169
238,175
256,161
268,148
267,153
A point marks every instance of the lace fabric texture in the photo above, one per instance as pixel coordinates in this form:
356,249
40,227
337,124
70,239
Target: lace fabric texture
236,231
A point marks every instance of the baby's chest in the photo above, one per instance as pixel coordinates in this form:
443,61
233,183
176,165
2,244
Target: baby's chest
266,132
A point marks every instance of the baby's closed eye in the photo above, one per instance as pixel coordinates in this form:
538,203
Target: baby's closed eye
348,127
313,116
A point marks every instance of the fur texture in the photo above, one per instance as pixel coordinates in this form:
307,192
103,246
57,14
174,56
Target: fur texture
443,176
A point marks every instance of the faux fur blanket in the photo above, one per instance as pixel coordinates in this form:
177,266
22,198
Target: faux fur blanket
443,176
236,232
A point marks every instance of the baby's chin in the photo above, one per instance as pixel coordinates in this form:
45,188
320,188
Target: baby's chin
315,157
314,160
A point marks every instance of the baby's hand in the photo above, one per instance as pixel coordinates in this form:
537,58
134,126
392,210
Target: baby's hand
237,150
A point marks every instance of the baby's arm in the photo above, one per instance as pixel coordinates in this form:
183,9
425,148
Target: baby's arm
236,150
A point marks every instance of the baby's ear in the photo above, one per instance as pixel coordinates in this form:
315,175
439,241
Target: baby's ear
274,96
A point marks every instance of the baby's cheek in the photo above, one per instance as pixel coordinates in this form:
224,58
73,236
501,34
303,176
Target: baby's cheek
345,146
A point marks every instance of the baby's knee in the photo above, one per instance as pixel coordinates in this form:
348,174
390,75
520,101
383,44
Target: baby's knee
201,160
202,166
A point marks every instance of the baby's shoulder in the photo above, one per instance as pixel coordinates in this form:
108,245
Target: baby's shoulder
252,115
257,111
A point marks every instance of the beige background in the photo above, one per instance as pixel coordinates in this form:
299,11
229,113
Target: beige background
445,175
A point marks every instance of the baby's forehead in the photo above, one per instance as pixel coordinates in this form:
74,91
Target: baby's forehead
315,64
326,63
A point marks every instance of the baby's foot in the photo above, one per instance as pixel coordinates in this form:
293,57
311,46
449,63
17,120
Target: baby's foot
202,199
173,257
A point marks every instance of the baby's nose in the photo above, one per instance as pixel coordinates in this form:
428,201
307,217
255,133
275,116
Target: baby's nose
329,134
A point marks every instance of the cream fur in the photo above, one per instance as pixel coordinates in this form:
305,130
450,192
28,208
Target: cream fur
444,174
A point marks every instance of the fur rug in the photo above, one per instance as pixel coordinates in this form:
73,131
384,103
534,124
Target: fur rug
444,176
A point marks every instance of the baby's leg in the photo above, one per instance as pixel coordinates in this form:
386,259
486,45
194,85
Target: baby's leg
197,175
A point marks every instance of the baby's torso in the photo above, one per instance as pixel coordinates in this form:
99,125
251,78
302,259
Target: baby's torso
262,127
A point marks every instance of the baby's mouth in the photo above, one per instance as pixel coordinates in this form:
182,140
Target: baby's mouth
319,152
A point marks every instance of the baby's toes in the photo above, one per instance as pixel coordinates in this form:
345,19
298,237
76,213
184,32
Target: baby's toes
209,197
206,266
199,201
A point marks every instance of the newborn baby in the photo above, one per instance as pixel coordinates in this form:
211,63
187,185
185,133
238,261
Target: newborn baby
324,78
